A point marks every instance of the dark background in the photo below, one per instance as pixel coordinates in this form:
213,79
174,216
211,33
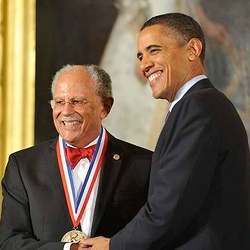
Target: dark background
67,32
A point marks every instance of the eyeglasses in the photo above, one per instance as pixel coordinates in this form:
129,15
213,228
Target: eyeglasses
74,102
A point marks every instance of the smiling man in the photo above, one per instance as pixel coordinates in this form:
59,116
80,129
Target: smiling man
199,183
77,109
81,184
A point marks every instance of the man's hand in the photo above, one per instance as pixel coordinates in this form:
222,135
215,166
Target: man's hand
98,243
76,246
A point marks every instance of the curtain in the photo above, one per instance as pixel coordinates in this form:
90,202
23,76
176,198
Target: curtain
17,73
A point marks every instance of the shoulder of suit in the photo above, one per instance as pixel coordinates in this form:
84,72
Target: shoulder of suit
38,148
200,97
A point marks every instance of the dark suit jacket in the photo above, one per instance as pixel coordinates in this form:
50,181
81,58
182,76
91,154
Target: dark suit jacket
34,212
198,194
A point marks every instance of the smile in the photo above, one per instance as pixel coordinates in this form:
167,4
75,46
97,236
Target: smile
154,76
71,123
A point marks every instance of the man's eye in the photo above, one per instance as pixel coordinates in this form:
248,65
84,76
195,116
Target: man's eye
59,102
139,58
154,51
76,102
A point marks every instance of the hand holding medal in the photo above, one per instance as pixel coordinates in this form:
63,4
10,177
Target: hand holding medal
73,236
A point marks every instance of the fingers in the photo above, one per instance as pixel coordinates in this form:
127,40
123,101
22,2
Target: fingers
97,243
92,241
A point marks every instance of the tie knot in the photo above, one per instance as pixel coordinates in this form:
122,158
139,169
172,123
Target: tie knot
74,155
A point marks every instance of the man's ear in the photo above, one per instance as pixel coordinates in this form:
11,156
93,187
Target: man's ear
194,48
107,104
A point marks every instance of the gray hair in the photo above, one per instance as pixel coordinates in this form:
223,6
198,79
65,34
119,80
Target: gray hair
99,75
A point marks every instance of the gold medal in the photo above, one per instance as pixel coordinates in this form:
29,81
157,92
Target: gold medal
73,236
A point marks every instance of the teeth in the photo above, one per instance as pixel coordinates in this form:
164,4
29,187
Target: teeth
153,76
72,123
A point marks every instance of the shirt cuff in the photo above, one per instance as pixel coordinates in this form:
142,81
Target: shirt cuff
67,246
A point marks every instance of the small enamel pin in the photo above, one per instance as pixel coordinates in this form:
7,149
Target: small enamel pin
116,157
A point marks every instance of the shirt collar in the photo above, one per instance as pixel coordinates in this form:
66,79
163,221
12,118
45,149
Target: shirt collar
184,89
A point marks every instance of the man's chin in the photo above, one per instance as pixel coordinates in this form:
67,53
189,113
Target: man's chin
156,95
71,139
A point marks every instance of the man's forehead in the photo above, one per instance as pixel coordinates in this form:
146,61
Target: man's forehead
149,37
157,35
75,76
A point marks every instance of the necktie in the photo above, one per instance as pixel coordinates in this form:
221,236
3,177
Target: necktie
74,155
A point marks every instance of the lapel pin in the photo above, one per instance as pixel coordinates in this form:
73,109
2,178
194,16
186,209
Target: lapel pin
116,157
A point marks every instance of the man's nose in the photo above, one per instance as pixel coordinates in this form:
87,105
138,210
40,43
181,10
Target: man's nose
68,108
145,64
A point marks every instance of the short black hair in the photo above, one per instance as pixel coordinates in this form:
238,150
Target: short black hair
183,24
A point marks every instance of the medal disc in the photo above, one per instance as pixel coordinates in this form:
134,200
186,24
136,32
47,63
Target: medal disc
73,236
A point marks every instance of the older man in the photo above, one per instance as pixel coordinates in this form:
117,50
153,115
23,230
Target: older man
81,184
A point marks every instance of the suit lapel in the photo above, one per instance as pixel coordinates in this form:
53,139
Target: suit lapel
108,180
57,186
170,122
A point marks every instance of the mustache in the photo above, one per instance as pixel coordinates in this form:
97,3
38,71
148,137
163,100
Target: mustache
71,118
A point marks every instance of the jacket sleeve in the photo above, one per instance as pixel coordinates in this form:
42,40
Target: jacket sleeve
15,224
182,171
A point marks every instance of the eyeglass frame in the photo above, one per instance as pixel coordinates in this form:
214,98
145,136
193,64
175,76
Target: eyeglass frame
74,102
